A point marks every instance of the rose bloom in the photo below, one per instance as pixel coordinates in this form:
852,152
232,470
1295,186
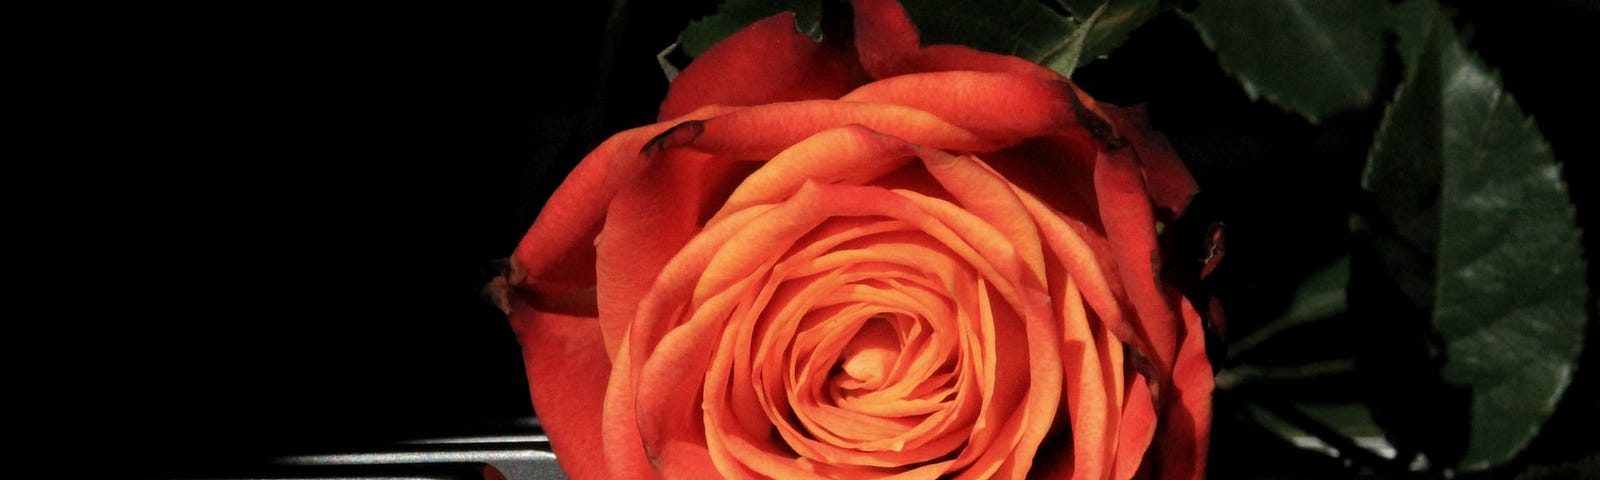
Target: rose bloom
864,258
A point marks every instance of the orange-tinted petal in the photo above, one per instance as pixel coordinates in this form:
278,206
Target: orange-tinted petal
1058,170
1137,430
668,352
623,450
553,264
988,196
1001,107
762,132
649,221
671,384
1126,213
566,365
768,61
1084,259
849,154
1089,397
1171,186
1187,422
1020,408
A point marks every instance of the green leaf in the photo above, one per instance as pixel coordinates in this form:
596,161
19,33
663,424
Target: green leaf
1082,8
1349,420
1028,29
1471,223
1318,296
1315,58
1325,381
1069,55
1343,430
1024,28
1116,20
1353,420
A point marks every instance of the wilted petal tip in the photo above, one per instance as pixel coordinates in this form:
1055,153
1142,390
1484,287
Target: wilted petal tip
677,136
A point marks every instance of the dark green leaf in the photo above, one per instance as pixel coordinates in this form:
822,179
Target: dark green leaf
1119,19
1349,420
1344,430
1025,28
1471,223
1314,58
1082,8
1321,381
1404,19
1030,30
1318,296
1070,54
1353,420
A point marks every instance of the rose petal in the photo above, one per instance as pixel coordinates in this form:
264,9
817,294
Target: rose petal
762,132
1045,384
1137,430
1059,171
1018,431
988,196
682,350
555,259
768,61
1187,422
673,349
566,367
1171,186
1001,107
923,266
642,232
1126,213
1091,410
851,154
1086,258
624,449
553,264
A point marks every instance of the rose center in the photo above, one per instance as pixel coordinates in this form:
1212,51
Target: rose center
869,357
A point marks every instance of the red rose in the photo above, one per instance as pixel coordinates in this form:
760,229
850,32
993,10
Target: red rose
864,258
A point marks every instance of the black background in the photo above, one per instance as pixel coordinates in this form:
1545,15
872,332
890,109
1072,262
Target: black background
255,230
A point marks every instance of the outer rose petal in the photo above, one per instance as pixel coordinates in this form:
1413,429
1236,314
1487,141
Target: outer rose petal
566,366
768,61
642,232
1000,107
842,154
1139,417
1171,186
552,266
763,131
550,298
1126,213
1188,417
